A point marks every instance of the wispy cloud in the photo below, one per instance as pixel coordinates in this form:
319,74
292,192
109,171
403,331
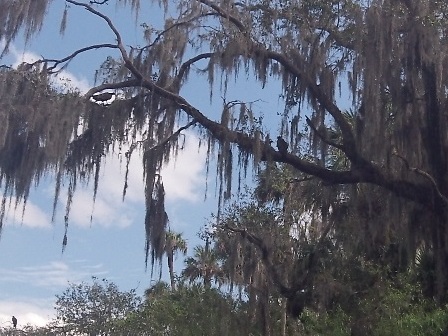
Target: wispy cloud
63,80
67,81
32,216
105,213
183,179
53,274
36,312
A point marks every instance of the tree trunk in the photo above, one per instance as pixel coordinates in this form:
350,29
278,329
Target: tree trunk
170,258
283,321
441,258
265,312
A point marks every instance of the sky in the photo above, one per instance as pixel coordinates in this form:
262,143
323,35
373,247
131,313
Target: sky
32,267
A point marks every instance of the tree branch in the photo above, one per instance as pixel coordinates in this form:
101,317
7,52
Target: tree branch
368,173
362,171
175,85
109,23
425,175
348,139
174,135
56,62
322,136
174,25
266,258
119,85
226,15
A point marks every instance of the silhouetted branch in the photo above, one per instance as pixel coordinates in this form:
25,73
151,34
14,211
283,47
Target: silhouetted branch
362,171
226,15
98,2
424,174
322,136
175,85
174,135
266,258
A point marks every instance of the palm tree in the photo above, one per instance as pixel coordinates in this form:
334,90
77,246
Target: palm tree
173,243
204,264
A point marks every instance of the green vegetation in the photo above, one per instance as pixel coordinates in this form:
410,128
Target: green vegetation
390,306
346,231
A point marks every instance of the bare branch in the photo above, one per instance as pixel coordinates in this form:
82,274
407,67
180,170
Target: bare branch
174,135
56,62
109,23
424,174
119,85
174,25
226,15
322,136
266,257
175,85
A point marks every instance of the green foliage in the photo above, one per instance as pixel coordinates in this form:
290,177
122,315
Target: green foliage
204,265
340,227
94,308
335,323
388,306
399,308
391,307
194,310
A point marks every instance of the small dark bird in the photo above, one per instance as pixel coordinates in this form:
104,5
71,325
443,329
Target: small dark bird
102,97
14,322
282,145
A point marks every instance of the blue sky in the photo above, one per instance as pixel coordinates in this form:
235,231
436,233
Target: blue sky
32,267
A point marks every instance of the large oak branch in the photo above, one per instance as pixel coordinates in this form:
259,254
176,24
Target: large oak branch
362,171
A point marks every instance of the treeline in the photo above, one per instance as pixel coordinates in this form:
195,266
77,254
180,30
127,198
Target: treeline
389,307
276,262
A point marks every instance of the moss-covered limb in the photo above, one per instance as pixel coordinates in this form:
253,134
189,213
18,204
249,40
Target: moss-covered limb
387,59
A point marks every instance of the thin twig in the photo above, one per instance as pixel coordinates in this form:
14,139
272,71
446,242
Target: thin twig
323,137
226,15
422,173
172,136
56,62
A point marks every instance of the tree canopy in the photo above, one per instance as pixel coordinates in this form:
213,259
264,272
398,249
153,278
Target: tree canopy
92,309
363,84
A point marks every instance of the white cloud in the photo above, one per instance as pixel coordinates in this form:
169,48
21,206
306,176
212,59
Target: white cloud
33,217
112,183
109,209
105,213
184,178
21,57
63,80
27,311
53,274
